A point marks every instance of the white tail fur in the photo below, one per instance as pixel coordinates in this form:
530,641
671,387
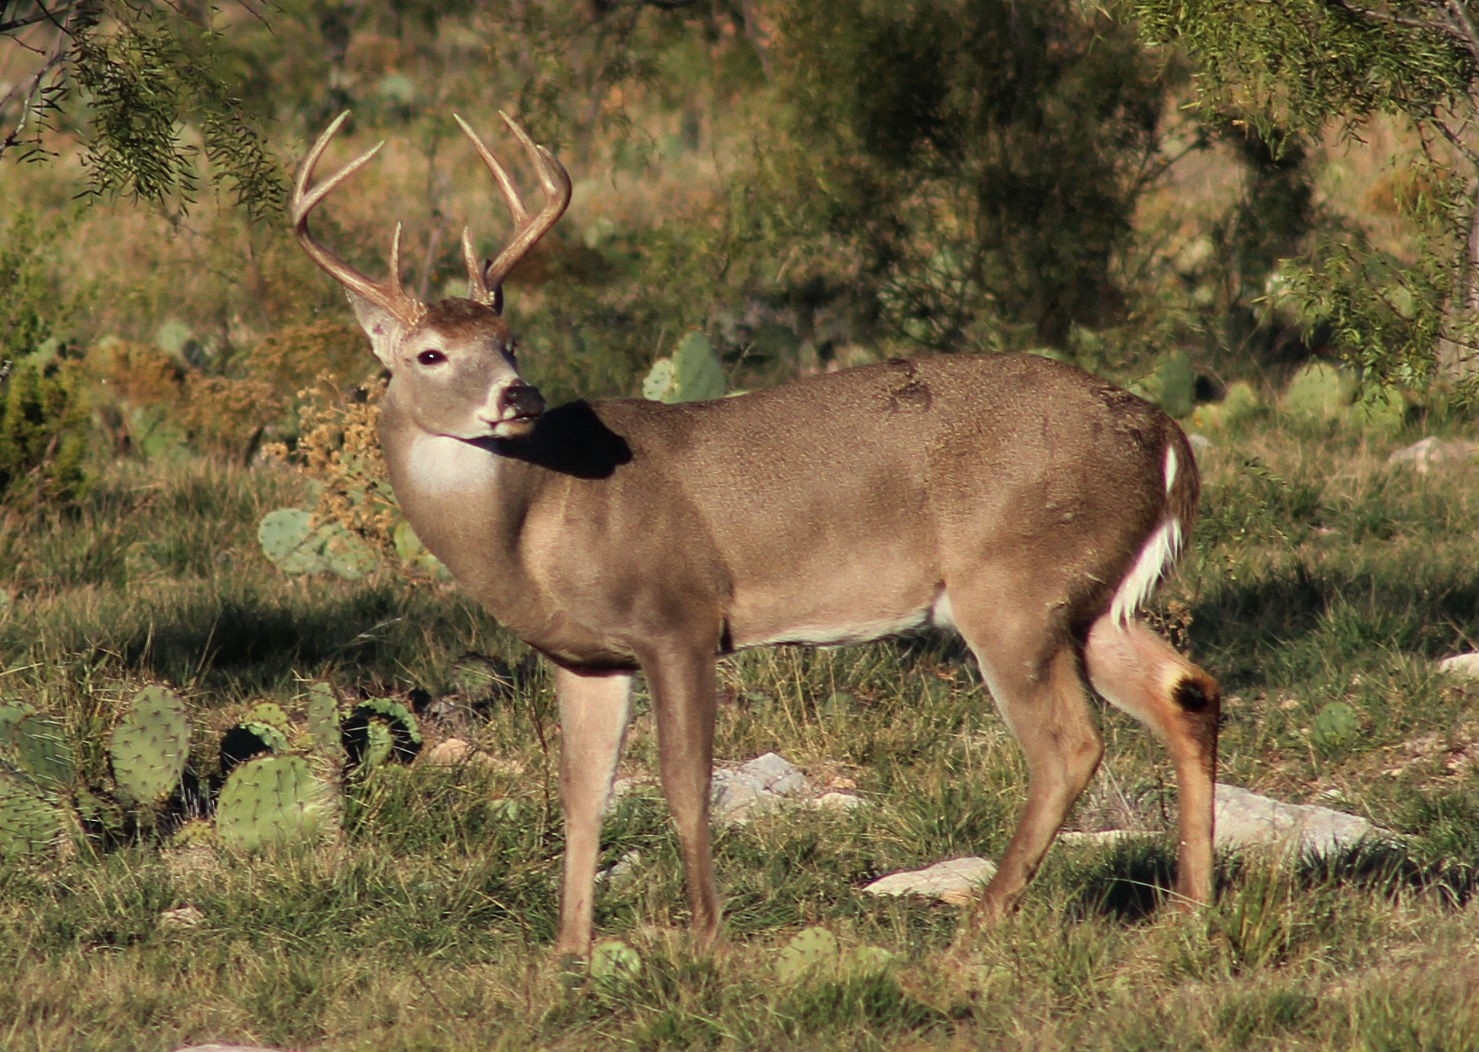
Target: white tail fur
1154,561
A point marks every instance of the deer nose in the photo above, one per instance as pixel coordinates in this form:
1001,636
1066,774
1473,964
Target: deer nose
519,401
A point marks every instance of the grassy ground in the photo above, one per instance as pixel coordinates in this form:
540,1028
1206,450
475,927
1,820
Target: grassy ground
1321,575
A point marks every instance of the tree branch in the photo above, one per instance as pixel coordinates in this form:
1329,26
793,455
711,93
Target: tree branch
1392,18
30,90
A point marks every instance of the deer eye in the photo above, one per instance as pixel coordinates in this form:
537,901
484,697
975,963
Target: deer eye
431,357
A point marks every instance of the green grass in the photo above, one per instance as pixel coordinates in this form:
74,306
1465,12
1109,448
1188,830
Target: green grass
1320,576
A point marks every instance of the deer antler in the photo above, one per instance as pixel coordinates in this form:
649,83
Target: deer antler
387,294
485,282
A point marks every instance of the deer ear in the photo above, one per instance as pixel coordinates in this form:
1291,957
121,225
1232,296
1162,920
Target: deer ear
383,328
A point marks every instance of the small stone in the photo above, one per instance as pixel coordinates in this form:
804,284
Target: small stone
1461,666
835,801
1102,838
181,917
956,880
454,752
622,871
1432,451
736,794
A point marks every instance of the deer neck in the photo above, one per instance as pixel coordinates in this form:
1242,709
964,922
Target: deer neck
466,501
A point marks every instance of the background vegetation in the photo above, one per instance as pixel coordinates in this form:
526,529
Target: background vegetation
807,185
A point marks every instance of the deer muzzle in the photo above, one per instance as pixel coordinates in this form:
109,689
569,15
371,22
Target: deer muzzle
516,406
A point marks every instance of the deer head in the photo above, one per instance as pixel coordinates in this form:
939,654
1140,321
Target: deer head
442,349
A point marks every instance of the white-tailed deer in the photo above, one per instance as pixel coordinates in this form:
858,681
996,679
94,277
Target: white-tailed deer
1027,505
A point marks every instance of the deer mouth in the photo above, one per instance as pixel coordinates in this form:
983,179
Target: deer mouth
515,426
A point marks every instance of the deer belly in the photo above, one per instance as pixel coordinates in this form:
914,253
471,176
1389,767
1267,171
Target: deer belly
816,620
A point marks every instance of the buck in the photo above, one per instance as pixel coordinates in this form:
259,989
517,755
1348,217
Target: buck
1027,505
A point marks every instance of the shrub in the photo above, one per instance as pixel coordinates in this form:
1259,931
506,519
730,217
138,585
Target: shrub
42,427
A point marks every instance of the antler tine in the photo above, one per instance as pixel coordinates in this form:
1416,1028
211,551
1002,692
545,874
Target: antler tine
387,294
484,282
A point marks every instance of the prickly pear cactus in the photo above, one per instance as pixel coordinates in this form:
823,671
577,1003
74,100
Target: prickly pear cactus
345,554
1319,389
264,729
273,799
323,721
694,372
37,767
271,714
149,746
379,730
1172,386
415,554
658,385
38,746
295,545
288,538
810,950
10,715
32,820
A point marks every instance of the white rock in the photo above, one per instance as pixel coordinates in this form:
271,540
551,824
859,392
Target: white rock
1103,838
454,752
1428,452
956,880
1463,666
835,801
1246,819
622,871
181,917
738,793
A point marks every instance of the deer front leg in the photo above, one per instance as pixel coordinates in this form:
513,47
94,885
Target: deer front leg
593,719
682,681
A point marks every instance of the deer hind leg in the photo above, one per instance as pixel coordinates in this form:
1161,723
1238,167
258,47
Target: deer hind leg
1135,670
593,719
682,680
1046,704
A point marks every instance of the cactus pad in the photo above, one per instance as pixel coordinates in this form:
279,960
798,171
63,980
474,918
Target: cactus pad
415,554
264,729
658,384
31,820
149,746
271,714
249,739
38,746
288,538
323,720
694,372
1319,389
381,729
295,545
10,715
345,554
810,950
272,799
